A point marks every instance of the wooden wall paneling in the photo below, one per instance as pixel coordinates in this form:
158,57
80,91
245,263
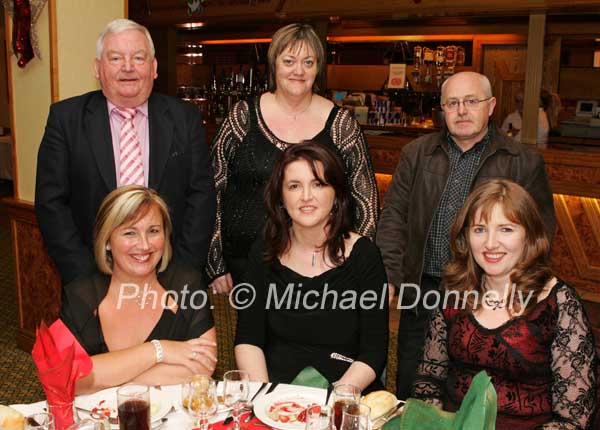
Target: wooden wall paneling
564,214
551,69
54,88
572,173
575,83
505,84
482,42
533,77
36,277
592,211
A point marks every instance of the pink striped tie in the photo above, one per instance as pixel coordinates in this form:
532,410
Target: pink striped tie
131,170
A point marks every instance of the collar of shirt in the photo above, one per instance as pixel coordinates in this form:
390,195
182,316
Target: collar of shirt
143,109
479,146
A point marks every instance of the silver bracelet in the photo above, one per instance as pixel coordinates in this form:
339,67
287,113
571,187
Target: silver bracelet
158,350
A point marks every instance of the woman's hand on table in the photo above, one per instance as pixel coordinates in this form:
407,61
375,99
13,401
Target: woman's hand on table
223,284
195,354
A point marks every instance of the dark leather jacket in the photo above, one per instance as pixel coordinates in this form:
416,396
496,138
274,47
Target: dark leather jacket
417,186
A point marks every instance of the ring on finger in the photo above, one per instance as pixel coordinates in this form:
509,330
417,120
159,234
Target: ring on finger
194,355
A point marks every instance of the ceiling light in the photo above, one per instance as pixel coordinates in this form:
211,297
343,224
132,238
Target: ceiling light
190,25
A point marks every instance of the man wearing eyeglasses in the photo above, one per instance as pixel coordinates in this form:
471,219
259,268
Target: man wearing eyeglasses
432,180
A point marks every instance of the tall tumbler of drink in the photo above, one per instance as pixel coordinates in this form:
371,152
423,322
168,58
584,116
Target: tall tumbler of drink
343,395
134,407
356,417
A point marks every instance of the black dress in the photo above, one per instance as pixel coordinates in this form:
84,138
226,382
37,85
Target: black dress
244,153
79,309
300,321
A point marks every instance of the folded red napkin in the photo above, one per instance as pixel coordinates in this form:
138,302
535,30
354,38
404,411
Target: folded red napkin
253,424
60,361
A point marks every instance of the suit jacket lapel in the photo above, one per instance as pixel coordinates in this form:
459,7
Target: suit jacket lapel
160,125
99,137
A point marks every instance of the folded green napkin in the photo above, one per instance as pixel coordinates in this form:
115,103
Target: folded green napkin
310,377
477,411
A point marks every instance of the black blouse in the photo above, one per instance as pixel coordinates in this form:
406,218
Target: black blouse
300,321
79,309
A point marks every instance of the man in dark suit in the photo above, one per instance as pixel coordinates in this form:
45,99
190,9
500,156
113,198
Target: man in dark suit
81,157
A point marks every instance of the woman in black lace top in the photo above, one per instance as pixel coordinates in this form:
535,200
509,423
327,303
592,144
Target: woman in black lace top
256,132
527,329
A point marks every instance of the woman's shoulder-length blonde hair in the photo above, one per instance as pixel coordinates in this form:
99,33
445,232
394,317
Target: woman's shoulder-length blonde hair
294,36
126,205
532,271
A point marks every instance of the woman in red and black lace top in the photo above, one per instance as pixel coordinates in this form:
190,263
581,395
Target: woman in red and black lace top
507,314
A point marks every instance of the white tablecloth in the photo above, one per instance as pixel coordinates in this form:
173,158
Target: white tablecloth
177,419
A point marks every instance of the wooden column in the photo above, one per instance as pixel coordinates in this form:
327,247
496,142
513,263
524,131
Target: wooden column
551,68
533,76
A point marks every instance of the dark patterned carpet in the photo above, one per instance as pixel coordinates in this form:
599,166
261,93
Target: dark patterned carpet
18,377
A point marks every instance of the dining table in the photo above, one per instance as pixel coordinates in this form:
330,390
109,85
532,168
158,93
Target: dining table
170,413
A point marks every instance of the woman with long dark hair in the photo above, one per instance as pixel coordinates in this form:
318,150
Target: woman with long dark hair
320,288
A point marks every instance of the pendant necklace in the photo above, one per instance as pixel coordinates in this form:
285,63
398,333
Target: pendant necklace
491,302
296,114
314,257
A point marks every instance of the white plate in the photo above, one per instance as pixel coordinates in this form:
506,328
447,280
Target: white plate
160,403
298,395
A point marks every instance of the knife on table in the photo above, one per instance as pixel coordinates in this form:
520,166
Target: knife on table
251,414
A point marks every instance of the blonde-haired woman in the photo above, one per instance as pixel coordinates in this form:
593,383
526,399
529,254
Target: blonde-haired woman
141,317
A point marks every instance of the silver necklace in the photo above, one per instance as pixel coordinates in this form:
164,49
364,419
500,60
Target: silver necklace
296,114
490,302
314,257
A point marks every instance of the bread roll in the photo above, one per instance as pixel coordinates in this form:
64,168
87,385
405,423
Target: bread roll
380,402
11,419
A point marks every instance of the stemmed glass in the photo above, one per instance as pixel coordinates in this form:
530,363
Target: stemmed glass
199,398
356,417
41,421
236,391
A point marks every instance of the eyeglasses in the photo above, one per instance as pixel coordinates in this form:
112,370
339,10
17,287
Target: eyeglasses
469,104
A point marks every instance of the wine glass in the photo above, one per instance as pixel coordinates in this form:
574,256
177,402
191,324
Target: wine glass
236,390
356,417
199,399
41,421
343,395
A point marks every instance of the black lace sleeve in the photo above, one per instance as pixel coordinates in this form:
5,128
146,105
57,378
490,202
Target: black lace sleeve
230,135
432,371
574,365
350,140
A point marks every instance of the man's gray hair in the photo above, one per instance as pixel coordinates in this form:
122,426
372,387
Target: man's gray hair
118,26
485,82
